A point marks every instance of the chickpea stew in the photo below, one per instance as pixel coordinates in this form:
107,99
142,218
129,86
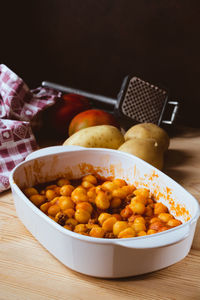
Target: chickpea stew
102,208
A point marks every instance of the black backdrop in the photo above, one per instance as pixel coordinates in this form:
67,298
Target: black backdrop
93,44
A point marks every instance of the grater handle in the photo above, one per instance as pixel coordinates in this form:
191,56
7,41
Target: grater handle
174,112
66,89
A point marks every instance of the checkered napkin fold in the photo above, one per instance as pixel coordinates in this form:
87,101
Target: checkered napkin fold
19,109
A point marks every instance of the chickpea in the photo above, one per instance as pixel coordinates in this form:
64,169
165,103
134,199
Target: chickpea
90,178
102,201
153,220
140,199
30,192
57,190
148,211
141,233
119,226
150,201
87,184
98,188
70,212
61,218
55,200
109,195
102,217
58,201
50,195
138,227
80,228
97,232
156,225
127,190
163,229
85,206
142,192
92,195
51,187
139,220
66,190
69,227
38,199
126,212
119,193
79,195
160,208
174,223
44,207
151,231
108,224
165,217
117,216
132,188
108,186
80,189
72,222
90,226
132,218
63,181
82,216
119,182
127,233
53,210
94,218
115,202
65,202
151,205
137,208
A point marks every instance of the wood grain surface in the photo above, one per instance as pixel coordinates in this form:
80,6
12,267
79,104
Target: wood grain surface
28,271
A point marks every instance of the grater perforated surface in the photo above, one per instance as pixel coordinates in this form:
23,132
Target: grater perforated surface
143,101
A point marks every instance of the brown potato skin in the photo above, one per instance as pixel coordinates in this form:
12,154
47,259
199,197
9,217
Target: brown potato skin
146,149
101,136
149,131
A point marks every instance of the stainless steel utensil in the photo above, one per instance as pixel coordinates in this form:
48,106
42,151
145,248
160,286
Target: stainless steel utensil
138,101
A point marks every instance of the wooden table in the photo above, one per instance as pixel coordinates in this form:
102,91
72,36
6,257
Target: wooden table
28,271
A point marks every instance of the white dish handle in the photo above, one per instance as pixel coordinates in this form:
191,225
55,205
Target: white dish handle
51,150
157,240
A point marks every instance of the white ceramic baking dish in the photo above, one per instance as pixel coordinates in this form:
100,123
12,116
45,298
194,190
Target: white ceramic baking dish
109,258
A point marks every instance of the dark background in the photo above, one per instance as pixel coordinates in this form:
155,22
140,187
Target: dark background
94,44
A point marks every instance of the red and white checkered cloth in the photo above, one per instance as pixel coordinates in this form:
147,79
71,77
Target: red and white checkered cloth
19,107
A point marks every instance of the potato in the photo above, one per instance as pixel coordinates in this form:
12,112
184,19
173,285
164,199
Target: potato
102,136
146,149
149,130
